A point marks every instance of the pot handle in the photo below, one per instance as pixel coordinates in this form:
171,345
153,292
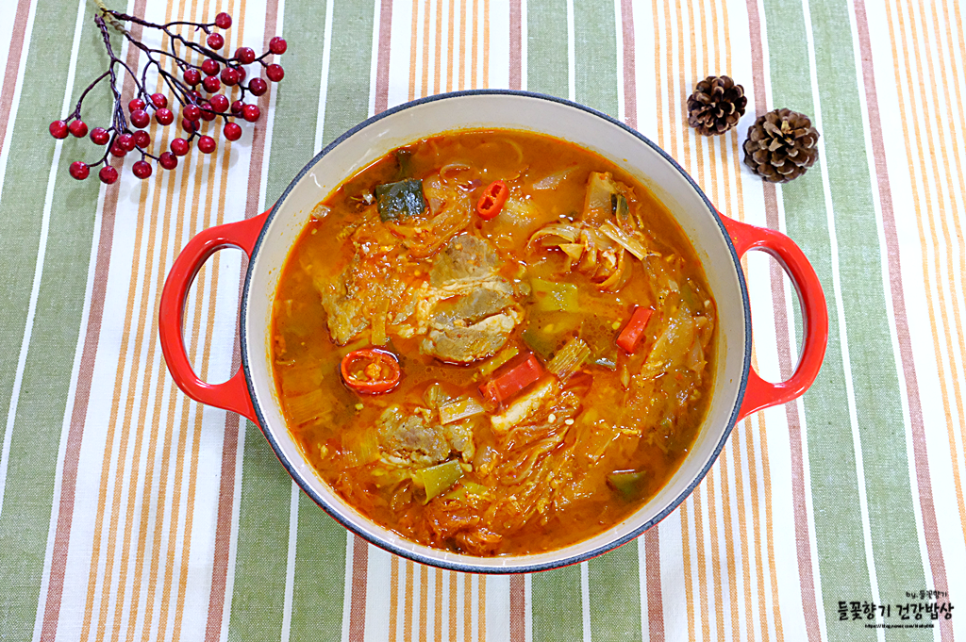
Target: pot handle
232,394
759,393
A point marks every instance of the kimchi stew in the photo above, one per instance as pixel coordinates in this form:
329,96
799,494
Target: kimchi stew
493,343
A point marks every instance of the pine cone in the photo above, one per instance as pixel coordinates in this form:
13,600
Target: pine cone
716,105
781,145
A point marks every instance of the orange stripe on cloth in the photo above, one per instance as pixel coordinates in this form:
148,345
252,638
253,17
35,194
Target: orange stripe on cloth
413,37
93,584
438,42
426,39
467,607
394,598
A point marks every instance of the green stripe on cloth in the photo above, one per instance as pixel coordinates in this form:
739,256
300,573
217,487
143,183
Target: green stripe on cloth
895,545
320,553
595,55
615,595
547,47
555,605
347,97
258,593
319,575
28,496
293,137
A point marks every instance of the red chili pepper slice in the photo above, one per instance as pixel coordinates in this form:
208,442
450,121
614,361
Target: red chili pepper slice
370,371
501,388
492,200
634,330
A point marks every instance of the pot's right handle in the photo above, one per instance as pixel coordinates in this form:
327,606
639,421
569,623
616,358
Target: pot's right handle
232,394
759,393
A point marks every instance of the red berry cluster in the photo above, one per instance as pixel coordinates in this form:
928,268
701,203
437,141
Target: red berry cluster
214,88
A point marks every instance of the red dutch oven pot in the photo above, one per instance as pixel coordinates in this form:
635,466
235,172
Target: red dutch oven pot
718,240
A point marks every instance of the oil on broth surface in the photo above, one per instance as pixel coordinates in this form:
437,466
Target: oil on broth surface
553,362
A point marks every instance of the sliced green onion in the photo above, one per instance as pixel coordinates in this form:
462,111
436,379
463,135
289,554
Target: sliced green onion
554,297
459,409
501,357
438,478
569,359
629,483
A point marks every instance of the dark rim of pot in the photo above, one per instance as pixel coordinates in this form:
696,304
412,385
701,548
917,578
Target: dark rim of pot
459,565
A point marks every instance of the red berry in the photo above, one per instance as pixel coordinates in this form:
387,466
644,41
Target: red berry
210,67
277,45
140,118
275,72
135,104
189,125
165,116
126,142
223,20
58,129
216,41
192,76
195,96
100,136
117,150
258,86
191,112
141,169
159,100
233,131
230,76
242,74
219,102
237,107
245,55
251,113
206,144
142,139
168,160
107,174
79,170
212,84
207,112
180,146
78,128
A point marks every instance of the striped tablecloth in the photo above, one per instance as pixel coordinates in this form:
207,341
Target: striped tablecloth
128,512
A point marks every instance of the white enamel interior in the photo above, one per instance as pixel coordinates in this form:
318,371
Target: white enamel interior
507,111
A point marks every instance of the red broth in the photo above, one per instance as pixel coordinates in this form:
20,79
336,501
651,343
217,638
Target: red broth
458,379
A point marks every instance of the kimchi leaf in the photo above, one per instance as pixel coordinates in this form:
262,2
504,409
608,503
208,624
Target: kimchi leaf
400,200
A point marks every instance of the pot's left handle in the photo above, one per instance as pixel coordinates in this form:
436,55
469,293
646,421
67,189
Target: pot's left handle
232,394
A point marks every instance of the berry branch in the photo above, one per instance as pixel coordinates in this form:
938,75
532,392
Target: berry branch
201,92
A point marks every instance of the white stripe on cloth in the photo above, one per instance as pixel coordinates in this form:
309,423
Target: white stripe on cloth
18,84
